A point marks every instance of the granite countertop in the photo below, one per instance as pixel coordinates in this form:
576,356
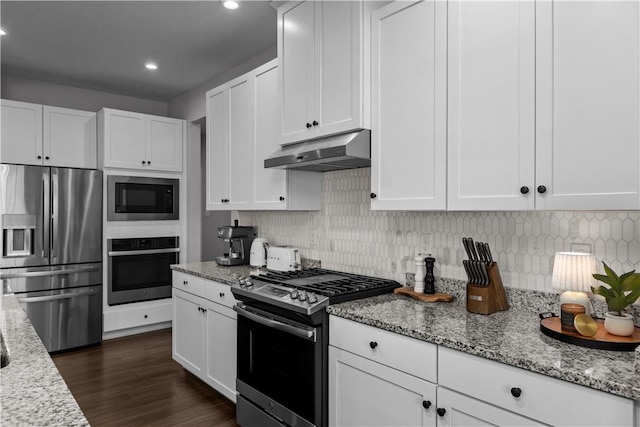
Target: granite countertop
512,337
212,271
32,390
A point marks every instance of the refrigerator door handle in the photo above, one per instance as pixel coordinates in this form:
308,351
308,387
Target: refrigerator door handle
54,212
48,273
46,216
57,296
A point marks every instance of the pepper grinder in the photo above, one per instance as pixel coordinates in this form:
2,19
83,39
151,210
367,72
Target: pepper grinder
429,279
420,273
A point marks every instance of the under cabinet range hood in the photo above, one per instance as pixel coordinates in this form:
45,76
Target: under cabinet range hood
337,152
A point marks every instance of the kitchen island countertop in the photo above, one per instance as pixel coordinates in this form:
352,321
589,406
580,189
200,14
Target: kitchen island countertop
512,337
32,390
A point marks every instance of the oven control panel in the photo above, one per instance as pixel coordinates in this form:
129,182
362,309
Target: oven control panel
282,296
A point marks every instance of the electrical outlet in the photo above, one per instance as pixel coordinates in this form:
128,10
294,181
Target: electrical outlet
313,237
425,243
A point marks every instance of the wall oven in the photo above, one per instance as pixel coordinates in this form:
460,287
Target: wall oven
139,268
134,198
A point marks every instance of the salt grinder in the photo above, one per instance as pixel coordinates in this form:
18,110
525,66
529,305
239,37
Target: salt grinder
429,279
420,273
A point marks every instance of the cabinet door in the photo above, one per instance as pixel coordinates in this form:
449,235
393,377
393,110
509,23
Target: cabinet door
270,185
240,143
125,139
217,149
296,32
70,138
461,411
164,143
491,120
366,393
188,337
21,132
222,325
588,105
338,59
408,138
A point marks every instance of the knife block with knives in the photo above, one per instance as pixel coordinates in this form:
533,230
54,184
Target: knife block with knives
485,291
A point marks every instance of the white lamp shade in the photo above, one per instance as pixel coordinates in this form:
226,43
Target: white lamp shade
573,271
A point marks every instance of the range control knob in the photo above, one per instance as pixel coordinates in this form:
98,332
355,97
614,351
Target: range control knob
312,298
294,294
249,283
302,296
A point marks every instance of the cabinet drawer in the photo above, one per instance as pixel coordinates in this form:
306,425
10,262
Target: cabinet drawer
219,292
406,354
188,283
546,399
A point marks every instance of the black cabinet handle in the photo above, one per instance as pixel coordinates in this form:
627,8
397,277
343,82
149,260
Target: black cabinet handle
542,189
315,123
221,294
184,282
373,344
441,411
39,157
144,163
516,392
148,162
46,158
426,404
524,189
373,195
282,198
308,125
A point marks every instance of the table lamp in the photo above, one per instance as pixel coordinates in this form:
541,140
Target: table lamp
573,273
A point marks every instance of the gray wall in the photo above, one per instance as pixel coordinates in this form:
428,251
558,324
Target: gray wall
40,92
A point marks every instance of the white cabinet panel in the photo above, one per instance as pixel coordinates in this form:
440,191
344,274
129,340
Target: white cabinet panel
240,142
588,105
188,331
69,138
164,150
408,138
21,129
217,149
221,349
491,102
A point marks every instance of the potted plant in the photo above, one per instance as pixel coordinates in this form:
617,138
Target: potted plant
620,293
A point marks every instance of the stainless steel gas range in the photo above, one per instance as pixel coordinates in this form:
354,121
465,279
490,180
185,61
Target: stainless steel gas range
283,336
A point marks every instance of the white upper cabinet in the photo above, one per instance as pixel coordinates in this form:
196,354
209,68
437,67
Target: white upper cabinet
321,58
242,130
34,134
141,141
588,105
408,135
491,105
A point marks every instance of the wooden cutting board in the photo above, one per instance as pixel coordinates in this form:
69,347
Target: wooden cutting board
437,297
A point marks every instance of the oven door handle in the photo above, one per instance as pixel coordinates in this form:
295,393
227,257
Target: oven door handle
144,252
308,334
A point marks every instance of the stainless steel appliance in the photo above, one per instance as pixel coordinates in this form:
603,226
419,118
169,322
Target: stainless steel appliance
135,198
138,269
283,332
240,239
52,250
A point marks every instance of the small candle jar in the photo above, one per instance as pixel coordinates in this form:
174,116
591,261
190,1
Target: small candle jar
568,312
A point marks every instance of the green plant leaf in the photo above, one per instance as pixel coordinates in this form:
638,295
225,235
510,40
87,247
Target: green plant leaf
613,282
630,282
617,304
626,275
609,271
632,296
604,291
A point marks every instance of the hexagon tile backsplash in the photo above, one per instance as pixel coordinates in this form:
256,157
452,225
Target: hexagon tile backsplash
346,235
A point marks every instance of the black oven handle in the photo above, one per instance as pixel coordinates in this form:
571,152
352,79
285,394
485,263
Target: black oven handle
144,252
308,334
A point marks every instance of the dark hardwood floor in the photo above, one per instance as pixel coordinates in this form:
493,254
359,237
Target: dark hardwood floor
133,381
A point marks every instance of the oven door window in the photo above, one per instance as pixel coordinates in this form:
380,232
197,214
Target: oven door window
284,367
143,198
141,271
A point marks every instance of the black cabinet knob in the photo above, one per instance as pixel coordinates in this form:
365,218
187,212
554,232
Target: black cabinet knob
373,195
426,404
524,189
542,189
373,344
144,163
148,162
39,157
308,125
315,123
221,294
441,411
282,198
146,316
184,282
516,392
46,158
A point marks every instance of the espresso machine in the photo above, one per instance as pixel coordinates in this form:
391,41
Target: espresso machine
240,239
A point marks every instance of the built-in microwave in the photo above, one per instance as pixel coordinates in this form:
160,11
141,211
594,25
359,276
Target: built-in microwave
134,198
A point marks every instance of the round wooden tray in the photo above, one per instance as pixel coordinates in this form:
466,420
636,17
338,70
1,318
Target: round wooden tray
602,340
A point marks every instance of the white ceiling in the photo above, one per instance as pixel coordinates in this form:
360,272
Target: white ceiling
103,45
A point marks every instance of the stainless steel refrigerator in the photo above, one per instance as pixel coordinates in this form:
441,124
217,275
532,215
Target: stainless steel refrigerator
51,221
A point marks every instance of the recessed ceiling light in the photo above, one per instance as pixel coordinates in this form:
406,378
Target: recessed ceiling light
151,66
230,4
3,32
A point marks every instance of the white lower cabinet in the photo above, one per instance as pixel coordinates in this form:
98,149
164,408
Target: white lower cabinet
204,331
379,378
